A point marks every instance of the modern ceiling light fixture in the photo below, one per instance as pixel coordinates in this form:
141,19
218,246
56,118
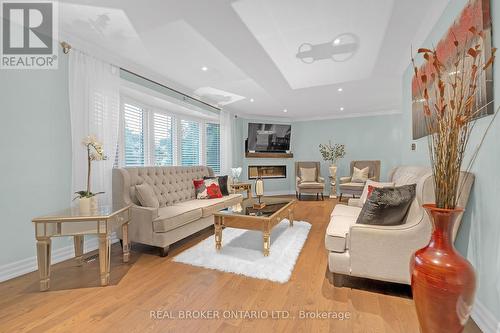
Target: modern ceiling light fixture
341,108
340,90
251,100
340,49
204,68
285,110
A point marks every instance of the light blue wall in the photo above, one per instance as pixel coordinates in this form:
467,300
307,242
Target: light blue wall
35,147
479,235
377,137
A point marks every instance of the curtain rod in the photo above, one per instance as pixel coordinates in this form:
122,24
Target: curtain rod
67,47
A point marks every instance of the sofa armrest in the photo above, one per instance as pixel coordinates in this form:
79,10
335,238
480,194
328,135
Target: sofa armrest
384,252
343,180
355,202
321,179
298,180
143,214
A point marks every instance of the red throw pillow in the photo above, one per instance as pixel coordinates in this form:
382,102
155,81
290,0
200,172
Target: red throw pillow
207,188
213,191
370,190
200,189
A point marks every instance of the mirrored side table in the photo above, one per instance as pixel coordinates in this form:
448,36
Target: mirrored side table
71,222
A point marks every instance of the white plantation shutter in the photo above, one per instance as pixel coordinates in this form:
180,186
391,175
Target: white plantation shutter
190,142
134,147
212,147
163,130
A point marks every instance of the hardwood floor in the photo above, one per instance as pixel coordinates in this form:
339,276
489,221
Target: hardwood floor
148,283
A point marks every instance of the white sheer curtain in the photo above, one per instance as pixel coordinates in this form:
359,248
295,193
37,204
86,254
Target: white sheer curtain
94,100
226,141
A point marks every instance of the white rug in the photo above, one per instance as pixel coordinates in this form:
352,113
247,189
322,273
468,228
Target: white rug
241,252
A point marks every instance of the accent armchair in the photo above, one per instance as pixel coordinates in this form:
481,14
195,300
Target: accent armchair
356,188
309,184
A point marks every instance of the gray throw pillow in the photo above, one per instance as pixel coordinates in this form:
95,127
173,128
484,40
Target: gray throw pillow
146,196
387,206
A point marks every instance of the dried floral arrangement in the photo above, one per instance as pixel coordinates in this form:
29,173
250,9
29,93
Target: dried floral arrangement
449,96
331,152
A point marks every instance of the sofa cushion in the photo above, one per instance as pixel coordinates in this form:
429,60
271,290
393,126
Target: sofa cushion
353,186
311,185
172,217
344,210
337,232
210,206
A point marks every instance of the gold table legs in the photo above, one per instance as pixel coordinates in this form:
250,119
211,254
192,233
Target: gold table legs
218,232
126,243
43,247
104,258
78,242
267,242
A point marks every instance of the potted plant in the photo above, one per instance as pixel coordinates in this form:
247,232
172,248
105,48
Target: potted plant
95,152
443,282
332,153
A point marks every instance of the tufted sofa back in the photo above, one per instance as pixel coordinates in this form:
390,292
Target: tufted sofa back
170,184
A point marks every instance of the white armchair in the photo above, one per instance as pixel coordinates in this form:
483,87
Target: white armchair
383,252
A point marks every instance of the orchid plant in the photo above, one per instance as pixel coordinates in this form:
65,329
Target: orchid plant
95,152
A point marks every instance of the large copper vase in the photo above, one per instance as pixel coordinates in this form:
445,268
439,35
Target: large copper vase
443,282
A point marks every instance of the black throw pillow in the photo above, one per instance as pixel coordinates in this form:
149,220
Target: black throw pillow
387,206
222,183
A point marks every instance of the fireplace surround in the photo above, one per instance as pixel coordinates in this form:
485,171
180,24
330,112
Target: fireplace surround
267,171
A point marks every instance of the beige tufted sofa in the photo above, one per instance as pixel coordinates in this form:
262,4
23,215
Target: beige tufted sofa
180,214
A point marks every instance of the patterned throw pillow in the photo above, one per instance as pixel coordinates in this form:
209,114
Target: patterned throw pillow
222,183
207,188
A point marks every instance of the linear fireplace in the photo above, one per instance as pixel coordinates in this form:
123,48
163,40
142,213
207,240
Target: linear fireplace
267,171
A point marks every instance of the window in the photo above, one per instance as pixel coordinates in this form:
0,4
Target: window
212,150
190,142
163,128
134,135
154,136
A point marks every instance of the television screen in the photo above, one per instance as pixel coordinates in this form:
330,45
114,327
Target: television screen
269,137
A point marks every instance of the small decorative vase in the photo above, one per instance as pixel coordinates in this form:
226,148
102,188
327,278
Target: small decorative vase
443,282
85,204
93,204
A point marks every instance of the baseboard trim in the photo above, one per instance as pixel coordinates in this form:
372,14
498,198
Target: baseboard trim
28,265
484,318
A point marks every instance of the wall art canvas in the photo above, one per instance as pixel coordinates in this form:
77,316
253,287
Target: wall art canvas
475,14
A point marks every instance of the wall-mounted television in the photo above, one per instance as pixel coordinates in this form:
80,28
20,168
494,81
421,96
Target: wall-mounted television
269,137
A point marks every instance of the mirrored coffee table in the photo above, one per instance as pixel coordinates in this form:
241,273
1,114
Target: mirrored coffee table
245,216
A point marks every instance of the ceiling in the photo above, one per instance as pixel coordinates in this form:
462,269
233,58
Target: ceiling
260,57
